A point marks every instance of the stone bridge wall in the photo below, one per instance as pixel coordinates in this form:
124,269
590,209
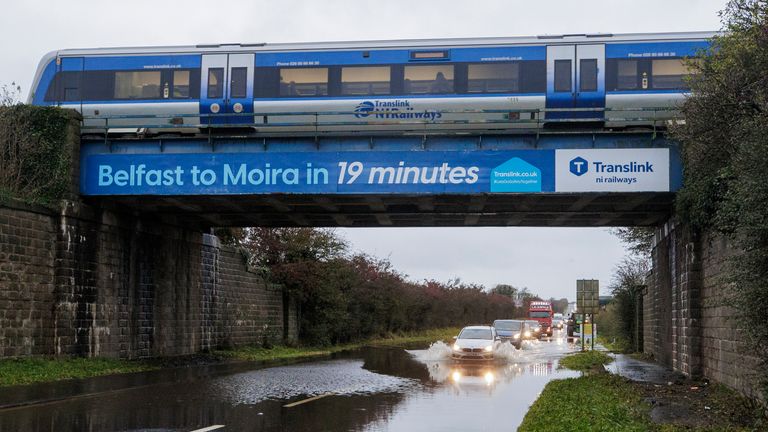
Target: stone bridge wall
90,282
686,325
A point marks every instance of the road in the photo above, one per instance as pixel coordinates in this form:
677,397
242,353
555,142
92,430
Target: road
373,389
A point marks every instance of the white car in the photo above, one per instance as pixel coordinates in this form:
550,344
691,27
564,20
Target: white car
476,343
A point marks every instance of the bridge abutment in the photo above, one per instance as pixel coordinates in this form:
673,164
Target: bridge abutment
688,325
94,282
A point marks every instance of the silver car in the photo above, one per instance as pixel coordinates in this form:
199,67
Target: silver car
476,343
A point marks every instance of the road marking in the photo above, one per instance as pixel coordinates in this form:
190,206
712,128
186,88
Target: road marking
209,428
313,398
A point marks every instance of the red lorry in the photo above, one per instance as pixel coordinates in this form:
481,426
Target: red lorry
541,311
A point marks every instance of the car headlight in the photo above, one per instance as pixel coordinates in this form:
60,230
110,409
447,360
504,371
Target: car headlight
489,348
517,336
527,334
456,347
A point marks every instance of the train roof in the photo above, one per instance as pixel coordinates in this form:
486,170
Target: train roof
394,44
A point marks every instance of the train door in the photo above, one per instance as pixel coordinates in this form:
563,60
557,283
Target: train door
576,79
70,83
226,87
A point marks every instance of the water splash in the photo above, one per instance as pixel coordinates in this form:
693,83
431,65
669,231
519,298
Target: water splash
437,351
530,344
507,352
440,351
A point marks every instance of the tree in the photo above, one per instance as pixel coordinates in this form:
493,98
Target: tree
559,306
343,297
10,94
626,286
505,290
639,240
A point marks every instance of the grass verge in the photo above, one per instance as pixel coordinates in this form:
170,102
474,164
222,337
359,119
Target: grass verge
257,353
585,361
617,345
602,402
34,370
607,402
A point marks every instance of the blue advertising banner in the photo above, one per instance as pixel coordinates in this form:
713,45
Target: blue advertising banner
406,172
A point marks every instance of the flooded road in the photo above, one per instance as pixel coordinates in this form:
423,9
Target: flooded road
373,389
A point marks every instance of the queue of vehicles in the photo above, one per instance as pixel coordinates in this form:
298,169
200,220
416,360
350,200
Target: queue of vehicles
482,342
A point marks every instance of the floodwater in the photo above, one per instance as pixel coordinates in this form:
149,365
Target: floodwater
372,389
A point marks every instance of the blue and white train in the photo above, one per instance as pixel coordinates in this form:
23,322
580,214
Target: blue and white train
453,84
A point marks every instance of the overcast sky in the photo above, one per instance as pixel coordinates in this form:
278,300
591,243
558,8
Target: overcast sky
547,260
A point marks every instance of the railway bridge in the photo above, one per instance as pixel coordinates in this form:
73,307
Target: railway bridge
518,177
128,268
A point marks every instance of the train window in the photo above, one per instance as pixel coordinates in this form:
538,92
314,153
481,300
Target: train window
627,75
533,76
65,87
98,85
669,74
493,78
359,81
303,82
215,83
238,82
181,84
563,76
71,86
428,79
137,85
265,83
588,75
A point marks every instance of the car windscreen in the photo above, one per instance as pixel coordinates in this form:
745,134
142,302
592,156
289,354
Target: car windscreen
542,314
507,325
475,334
533,323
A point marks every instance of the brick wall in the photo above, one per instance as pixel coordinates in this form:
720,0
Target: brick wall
686,324
92,282
27,242
248,314
657,300
724,354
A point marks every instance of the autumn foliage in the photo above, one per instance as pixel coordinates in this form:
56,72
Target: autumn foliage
345,297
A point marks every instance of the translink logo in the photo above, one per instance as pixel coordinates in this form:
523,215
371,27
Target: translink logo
579,166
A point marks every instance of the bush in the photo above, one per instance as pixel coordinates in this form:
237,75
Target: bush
35,153
347,298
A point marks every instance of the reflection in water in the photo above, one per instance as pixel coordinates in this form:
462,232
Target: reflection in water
496,393
247,401
377,389
339,377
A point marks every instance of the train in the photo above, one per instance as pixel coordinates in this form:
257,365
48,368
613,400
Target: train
614,81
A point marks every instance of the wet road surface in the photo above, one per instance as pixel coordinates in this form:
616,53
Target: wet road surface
373,389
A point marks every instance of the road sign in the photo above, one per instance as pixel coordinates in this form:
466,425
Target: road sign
587,296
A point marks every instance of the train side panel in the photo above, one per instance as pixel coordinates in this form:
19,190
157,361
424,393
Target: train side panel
400,114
